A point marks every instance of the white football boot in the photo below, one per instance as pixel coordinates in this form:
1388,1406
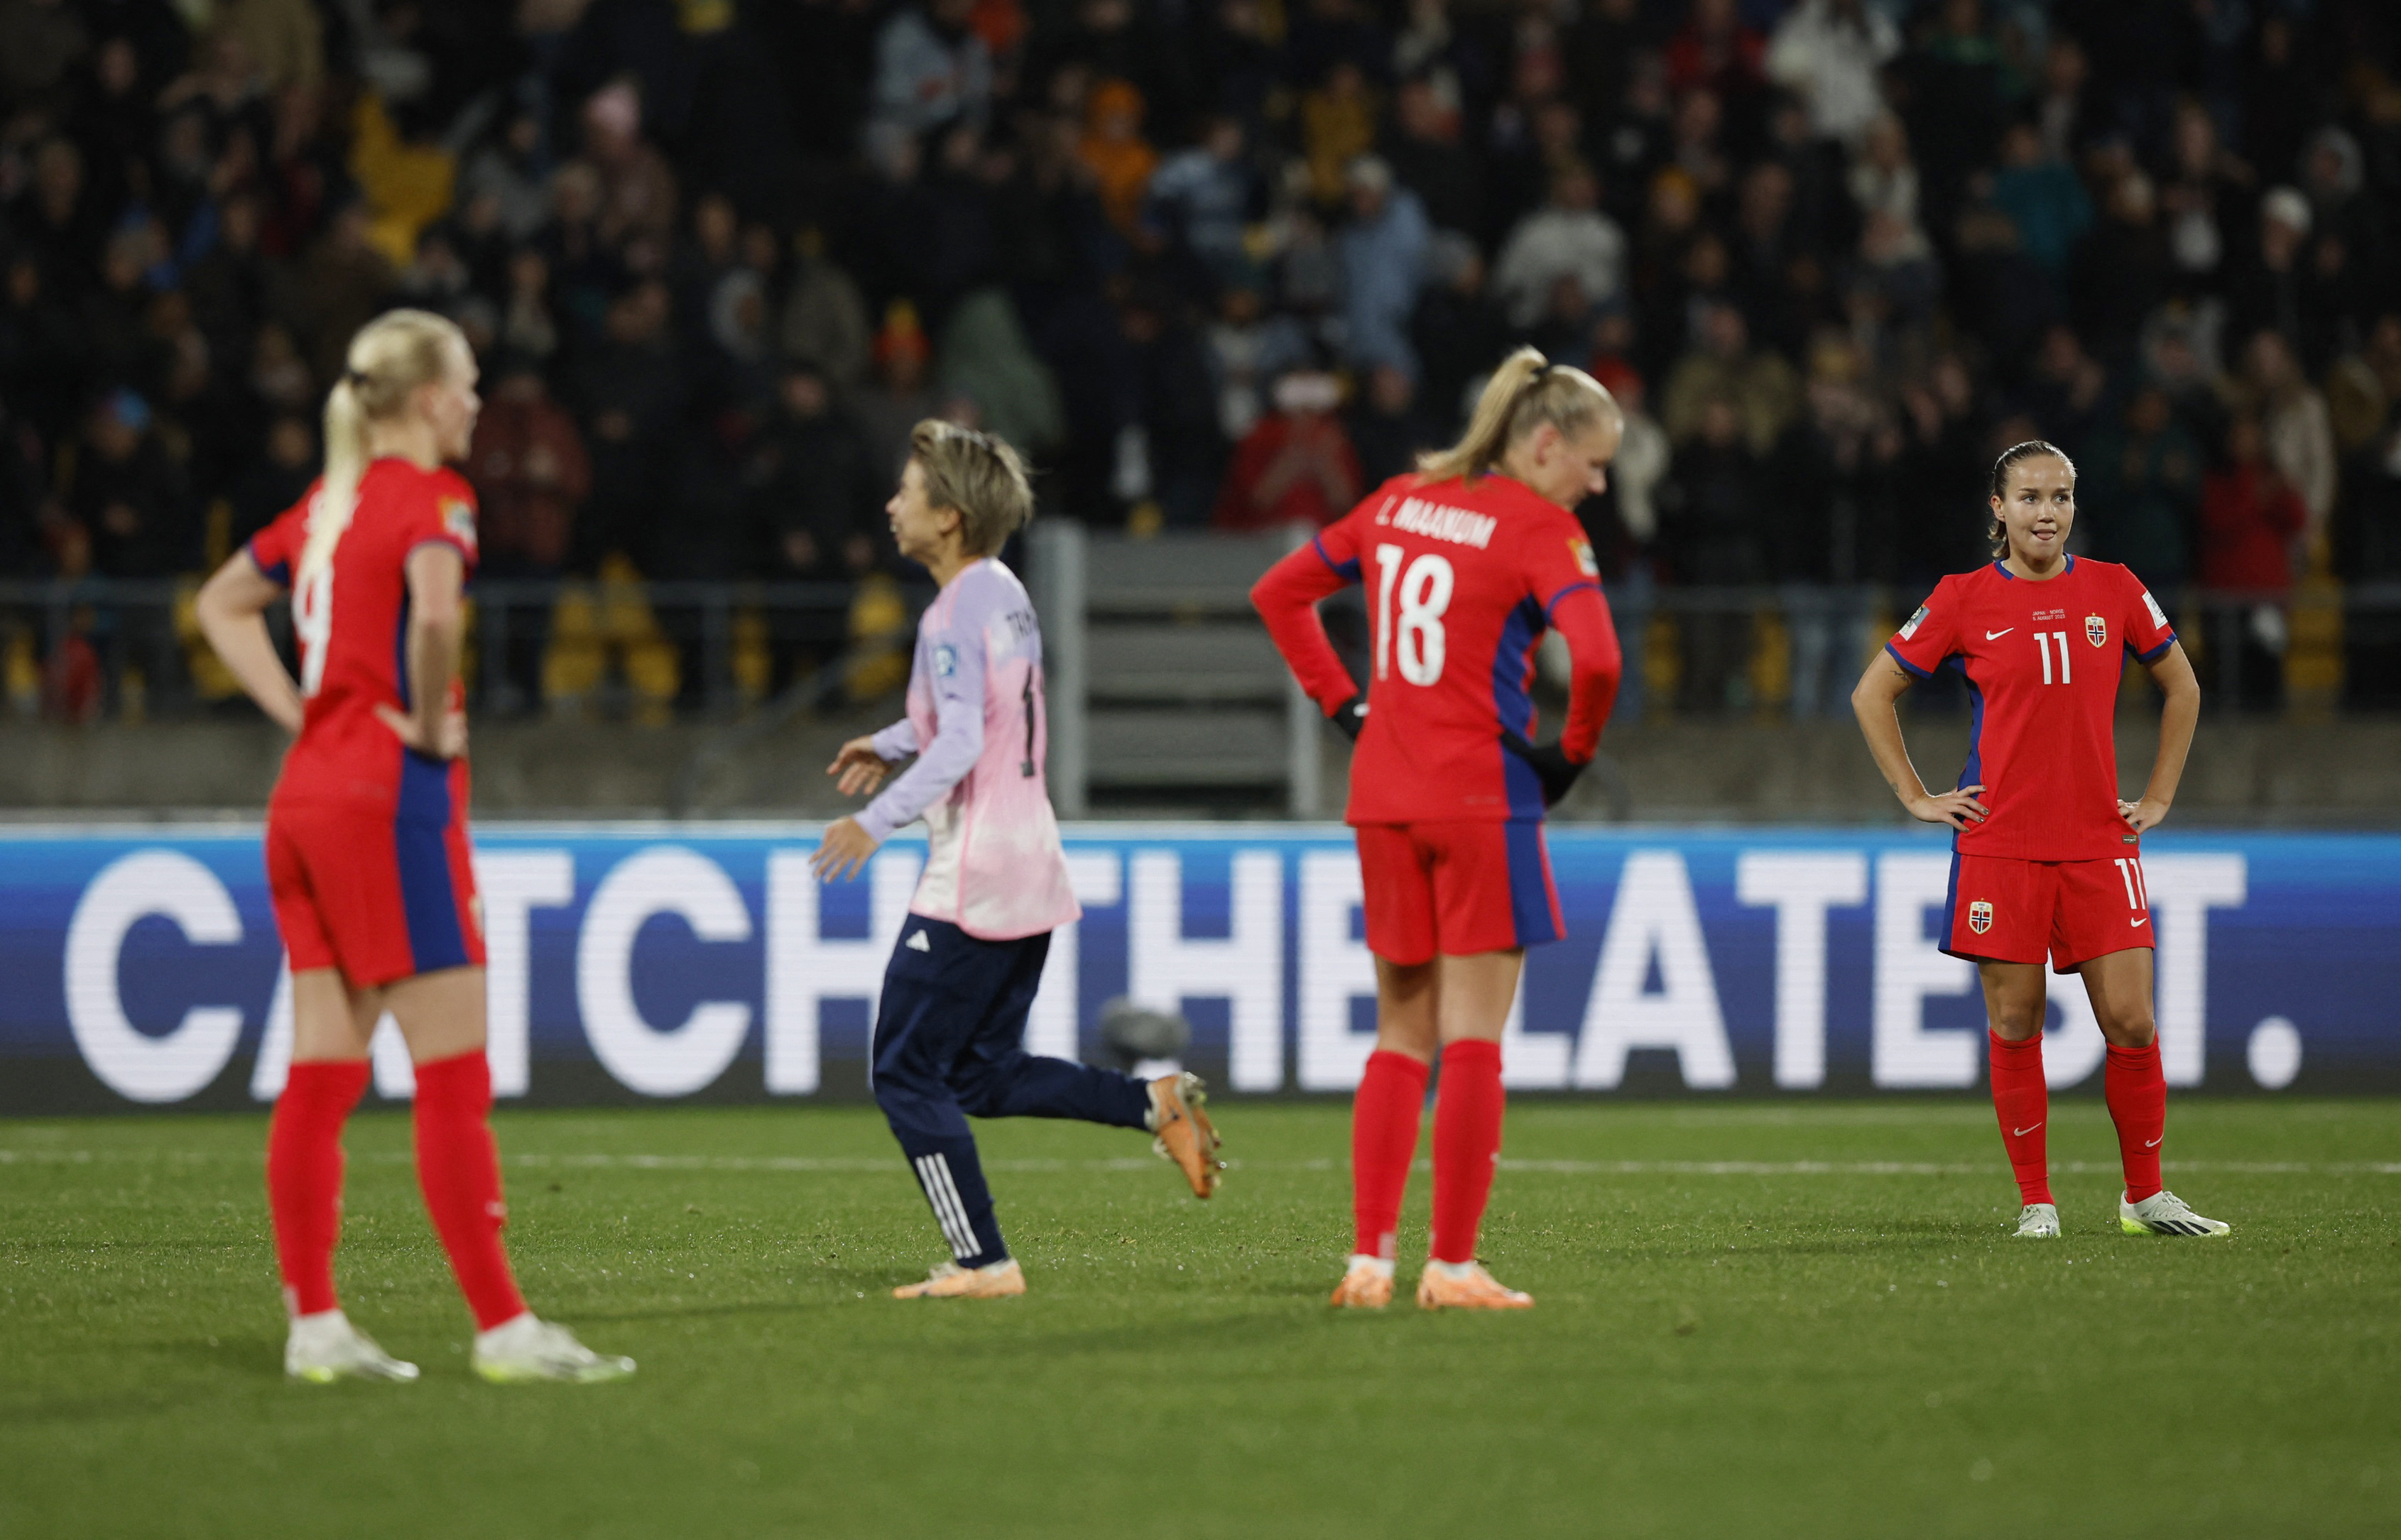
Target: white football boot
2039,1222
2165,1214
531,1348
326,1347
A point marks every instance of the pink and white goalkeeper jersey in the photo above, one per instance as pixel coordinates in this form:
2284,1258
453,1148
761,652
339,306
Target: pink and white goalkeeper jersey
975,722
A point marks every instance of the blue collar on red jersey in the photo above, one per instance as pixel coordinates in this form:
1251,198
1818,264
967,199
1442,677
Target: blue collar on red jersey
2001,568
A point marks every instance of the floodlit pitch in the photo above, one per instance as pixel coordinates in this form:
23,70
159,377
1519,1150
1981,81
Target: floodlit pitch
1754,1318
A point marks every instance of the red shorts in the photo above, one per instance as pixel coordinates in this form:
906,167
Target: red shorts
2005,910
379,896
1455,888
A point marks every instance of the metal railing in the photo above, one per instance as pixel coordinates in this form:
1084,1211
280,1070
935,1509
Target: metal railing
1799,649
1129,724
97,648
94,648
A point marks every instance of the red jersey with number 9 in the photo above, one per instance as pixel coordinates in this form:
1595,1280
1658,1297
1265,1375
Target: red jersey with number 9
2042,662
352,622
1461,579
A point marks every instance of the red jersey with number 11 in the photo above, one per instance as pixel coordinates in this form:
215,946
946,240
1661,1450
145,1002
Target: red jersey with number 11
352,622
2042,661
1462,578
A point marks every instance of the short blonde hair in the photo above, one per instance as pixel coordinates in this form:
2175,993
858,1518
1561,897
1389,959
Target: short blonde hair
980,476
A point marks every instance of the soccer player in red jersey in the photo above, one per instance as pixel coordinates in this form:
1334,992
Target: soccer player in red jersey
2047,863
367,854
1465,562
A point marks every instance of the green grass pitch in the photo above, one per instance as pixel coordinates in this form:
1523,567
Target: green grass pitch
1761,1320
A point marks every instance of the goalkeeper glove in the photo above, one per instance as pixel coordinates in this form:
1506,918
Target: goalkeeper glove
1551,766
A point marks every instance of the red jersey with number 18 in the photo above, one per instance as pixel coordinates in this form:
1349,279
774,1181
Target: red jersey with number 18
2042,662
1461,579
352,622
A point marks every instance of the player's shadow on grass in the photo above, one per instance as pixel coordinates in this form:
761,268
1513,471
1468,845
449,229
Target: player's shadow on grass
1903,1237
249,1358
729,1307
1248,1331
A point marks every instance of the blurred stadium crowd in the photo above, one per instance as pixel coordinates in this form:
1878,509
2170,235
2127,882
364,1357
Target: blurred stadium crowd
1224,264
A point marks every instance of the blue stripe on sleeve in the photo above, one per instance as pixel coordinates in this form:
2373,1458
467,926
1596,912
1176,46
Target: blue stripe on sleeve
1560,597
279,574
1348,571
1914,672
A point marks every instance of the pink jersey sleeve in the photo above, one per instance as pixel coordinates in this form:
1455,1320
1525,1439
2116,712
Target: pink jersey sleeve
994,865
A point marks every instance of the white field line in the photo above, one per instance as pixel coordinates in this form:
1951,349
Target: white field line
811,1164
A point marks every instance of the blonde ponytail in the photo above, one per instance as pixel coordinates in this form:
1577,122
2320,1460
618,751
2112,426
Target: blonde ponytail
389,358
1525,392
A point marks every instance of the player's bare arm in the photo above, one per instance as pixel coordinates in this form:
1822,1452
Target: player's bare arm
437,632
1880,688
2172,673
232,609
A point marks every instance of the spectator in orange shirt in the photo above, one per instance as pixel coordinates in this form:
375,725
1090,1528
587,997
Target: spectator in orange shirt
1120,158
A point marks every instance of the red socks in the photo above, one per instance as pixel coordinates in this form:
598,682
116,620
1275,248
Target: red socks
1383,1144
2134,1088
2138,1092
304,1176
459,1168
1466,1144
457,1165
2022,1102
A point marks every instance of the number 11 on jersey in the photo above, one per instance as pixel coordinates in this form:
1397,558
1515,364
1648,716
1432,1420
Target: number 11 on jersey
2043,640
1424,594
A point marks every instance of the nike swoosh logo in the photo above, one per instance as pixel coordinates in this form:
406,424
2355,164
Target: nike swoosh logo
2138,923
2003,632
2155,1143
2021,1133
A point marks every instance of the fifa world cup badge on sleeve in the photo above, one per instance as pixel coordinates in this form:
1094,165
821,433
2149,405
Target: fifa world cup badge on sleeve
2096,630
1915,622
1582,550
1980,917
459,520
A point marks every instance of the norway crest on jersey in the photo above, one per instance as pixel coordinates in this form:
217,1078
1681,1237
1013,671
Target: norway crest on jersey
2096,630
1980,916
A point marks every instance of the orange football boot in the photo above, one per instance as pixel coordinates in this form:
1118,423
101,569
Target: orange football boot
999,1280
1437,1289
1367,1285
1178,1116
